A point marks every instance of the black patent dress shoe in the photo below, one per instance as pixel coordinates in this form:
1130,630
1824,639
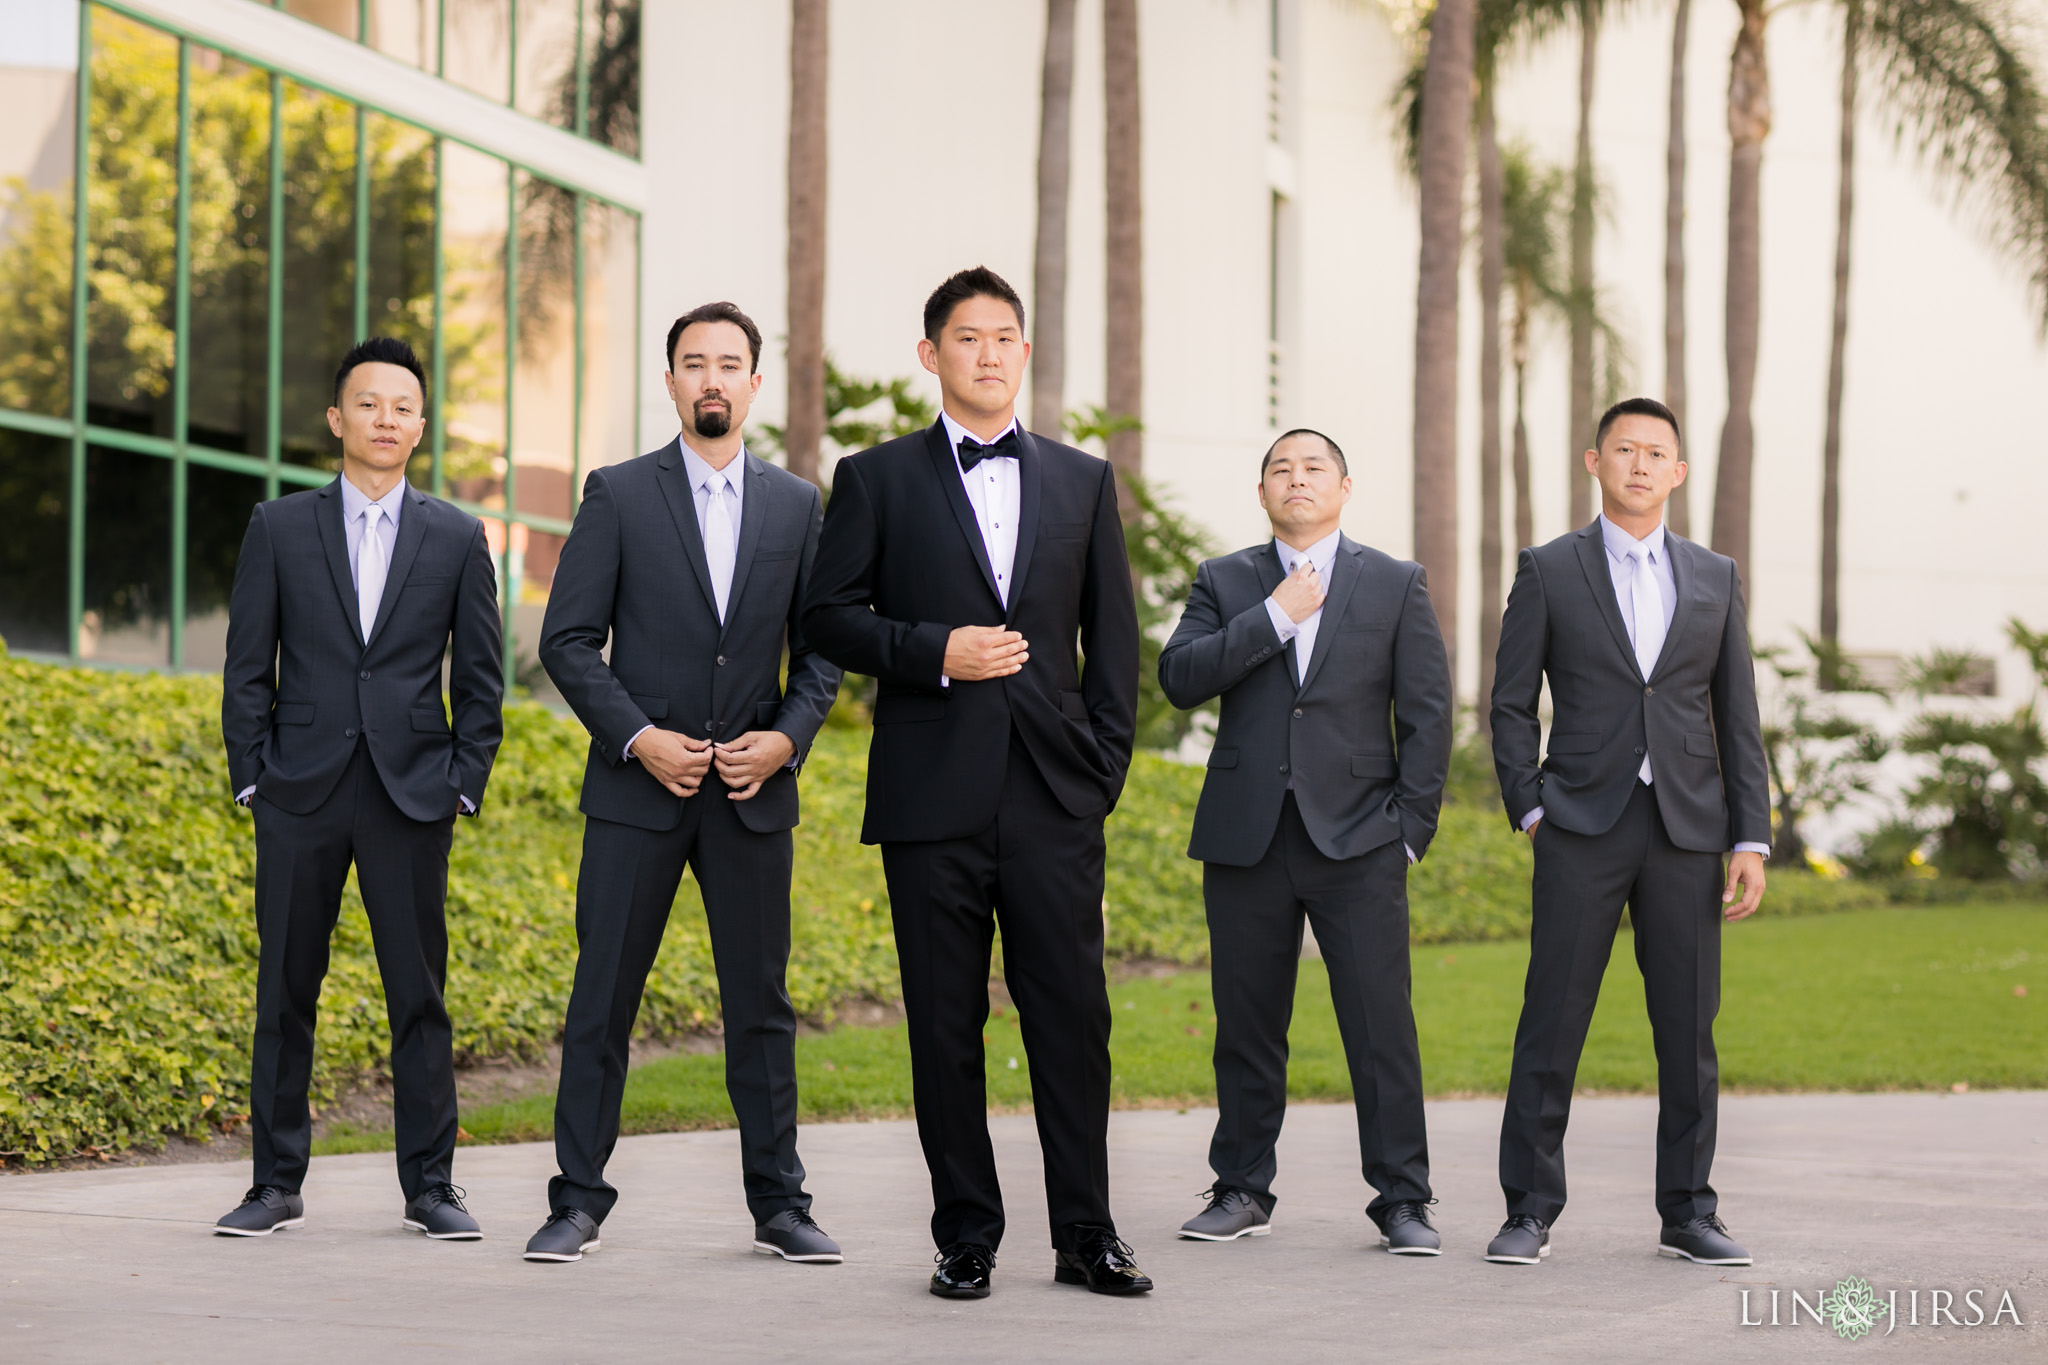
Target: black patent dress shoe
1704,1241
963,1272
1101,1262
437,1211
566,1235
263,1210
1405,1229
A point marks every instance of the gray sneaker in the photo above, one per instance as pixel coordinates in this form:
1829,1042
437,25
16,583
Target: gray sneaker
1406,1230
1522,1240
438,1212
1232,1213
1703,1240
795,1236
263,1210
566,1235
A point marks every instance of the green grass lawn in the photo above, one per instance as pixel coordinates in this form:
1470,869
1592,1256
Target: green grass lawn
1887,999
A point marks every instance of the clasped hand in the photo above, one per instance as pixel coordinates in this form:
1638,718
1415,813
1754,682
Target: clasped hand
679,763
977,653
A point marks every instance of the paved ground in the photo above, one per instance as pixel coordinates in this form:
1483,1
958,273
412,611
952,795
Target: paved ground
1913,1192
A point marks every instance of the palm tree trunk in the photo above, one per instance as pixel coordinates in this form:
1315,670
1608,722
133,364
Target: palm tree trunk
1518,356
1446,126
1123,158
1492,266
1049,264
1831,449
1579,503
1677,512
805,422
1749,122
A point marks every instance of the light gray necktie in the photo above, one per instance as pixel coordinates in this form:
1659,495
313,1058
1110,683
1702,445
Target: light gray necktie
1647,602
721,543
370,570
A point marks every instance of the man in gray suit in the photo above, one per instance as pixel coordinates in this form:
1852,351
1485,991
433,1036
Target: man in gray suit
1655,771
689,563
1323,787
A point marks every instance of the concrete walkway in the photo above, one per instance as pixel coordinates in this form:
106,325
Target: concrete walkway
1912,1192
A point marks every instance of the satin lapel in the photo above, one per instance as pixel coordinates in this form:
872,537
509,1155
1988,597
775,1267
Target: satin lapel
1680,552
753,512
334,539
682,509
1030,471
412,533
1593,559
947,471
1344,576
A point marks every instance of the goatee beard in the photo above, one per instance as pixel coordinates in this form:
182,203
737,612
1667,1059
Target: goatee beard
713,423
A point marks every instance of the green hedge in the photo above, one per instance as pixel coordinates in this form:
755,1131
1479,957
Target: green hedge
128,950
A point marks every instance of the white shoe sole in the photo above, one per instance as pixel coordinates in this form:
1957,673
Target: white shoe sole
1258,1230
220,1231
410,1225
1520,1260
1393,1250
559,1257
816,1258
1677,1255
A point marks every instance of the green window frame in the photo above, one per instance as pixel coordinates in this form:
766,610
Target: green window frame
278,475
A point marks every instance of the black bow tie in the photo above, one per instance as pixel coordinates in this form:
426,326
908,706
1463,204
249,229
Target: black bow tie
973,452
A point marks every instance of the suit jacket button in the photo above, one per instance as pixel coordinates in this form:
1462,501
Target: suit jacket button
348,734
1283,767
1297,713
721,661
1649,691
364,675
1639,751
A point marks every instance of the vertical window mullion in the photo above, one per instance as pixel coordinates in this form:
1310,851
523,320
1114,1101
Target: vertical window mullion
181,373
576,381
512,53
273,324
439,408
81,236
509,581
582,76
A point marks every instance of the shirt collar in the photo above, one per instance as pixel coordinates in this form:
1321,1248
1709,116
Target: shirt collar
354,500
1620,542
700,469
1321,554
954,431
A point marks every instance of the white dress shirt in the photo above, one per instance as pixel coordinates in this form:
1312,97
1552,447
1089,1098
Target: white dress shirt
355,513
1621,572
1321,555
996,495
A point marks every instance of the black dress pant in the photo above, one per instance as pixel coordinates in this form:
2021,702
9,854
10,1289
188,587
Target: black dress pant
1038,870
624,890
1359,908
401,867
1673,897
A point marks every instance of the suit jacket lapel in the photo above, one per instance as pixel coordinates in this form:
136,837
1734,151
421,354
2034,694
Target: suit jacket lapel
682,509
1267,562
1593,559
412,532
1029,493
753,512
334,539
1344,576
1679,552
947,471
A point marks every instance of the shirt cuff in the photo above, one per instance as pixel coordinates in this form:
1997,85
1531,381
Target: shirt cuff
245,795
1412,859
627,752
945,681
1531,818
1764,849
468,806
1283,624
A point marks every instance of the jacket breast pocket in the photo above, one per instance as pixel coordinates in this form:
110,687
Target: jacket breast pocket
292,713
899,708
1374,765
1066,530
430,719
422,582
1349,624
1701,746
770,556
1223,758
654,708
1574,744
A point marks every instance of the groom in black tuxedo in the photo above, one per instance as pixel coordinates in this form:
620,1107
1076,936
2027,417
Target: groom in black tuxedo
961,566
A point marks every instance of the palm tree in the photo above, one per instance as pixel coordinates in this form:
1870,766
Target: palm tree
1440,167
1953,73
1749,122
1049,264
1677,512
1492,270
1534,208
808,50
1124,367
